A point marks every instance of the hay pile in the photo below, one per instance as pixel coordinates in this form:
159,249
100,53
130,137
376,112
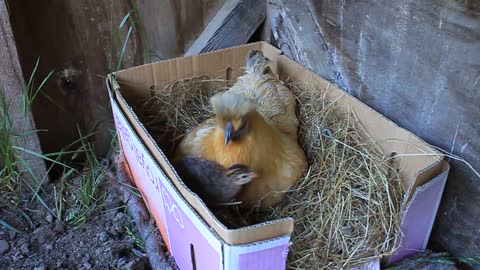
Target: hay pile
177,108
347,207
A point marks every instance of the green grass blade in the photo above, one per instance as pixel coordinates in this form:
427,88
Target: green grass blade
44,81
30,132
35,154
40,199
10,227
124,47
27,218
124,20
32,76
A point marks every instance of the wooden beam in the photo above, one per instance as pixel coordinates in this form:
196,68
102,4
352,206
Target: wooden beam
297,34
12,87
233,25
419,73
82,47
159,22
266,34
171,26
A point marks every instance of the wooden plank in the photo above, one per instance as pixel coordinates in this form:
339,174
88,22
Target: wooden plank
77,39
296,33
233,25
194,18
170,26
160,23
266,28
417,63
12,88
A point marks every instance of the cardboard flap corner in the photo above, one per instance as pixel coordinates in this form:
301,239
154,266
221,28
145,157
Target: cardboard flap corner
419,215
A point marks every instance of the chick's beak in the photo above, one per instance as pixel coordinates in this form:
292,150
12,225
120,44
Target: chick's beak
228,132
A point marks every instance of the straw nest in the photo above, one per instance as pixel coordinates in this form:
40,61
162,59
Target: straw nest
346,207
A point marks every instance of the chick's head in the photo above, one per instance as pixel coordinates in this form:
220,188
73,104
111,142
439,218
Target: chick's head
232,113
240,174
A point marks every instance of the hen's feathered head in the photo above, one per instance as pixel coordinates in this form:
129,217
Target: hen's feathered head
232,105
232,112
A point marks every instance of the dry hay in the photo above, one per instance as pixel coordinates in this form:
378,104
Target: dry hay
180,106
347,207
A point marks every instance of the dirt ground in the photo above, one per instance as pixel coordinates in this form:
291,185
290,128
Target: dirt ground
106,241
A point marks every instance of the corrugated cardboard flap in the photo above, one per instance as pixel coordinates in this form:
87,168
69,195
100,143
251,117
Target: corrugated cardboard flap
420,213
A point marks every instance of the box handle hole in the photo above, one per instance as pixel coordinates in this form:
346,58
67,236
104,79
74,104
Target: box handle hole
228,75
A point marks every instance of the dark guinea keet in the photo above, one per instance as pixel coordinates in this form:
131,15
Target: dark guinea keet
213,183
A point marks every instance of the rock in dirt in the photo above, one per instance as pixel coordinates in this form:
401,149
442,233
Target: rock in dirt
4,246
49,247
11,235
59,228
49,218
24,248
137,264
121,262
103,236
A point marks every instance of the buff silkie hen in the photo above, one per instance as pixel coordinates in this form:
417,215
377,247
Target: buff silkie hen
240,135
254,124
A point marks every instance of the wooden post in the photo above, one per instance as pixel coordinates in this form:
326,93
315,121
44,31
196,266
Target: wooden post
159,21
77,39
171,26
12,87
233,25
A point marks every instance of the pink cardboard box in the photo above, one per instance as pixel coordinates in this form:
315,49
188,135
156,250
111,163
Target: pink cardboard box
195,238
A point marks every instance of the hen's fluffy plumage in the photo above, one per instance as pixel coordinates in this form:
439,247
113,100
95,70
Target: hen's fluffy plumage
269,147
275,102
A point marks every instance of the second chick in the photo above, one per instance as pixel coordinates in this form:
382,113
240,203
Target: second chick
213,183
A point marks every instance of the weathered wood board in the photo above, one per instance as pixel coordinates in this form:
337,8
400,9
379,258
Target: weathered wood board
79,40
171,26
74,38
416,62
233,25
12,89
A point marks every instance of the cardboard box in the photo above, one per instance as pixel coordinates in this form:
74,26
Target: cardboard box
195,238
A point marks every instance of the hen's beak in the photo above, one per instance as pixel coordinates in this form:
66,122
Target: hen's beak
228,132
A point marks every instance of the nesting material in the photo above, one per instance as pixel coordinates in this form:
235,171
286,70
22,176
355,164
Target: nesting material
347,207
177,108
